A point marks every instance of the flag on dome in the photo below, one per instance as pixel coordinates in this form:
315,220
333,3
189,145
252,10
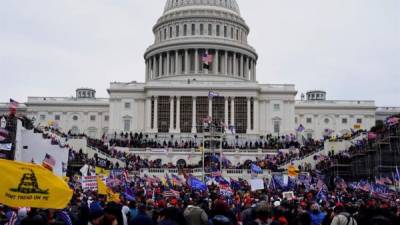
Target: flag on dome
207,59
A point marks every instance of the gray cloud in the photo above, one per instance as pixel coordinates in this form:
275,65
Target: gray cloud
350,48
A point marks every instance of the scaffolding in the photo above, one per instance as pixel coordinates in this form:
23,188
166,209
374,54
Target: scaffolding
214,135
378,160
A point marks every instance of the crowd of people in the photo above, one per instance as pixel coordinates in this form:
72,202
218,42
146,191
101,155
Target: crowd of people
304,199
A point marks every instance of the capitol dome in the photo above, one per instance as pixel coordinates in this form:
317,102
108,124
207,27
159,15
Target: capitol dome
229,5
202,40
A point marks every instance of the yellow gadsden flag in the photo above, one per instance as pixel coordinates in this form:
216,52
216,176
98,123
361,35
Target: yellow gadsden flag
102,189
30,185
293,171
102,172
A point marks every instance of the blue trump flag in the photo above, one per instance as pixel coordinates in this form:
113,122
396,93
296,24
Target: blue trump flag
255,169
196,184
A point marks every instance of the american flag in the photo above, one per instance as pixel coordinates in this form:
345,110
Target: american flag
13,219
13,105
49,162
171,194
207,60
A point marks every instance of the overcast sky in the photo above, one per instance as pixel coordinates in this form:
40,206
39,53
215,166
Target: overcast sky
350,48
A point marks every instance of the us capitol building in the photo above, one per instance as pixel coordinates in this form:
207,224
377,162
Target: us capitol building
200,66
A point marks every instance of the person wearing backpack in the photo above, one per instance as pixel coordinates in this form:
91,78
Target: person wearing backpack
342,217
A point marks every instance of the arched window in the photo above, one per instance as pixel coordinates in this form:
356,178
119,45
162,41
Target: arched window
177,31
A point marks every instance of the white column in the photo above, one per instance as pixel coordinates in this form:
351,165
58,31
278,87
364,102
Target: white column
176,62
256,116
210,107
196,61
168,65
147,70
148,114
226,63
178,114
226,113
248,116
251,70
160,62
216,62
156,114
241,73
153,58
171,114
194,125
246,69
235,68
255,70
232,111
186,61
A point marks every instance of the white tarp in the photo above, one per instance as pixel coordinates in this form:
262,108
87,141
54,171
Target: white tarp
35,148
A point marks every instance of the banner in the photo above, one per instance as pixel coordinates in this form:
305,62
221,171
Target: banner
257,184
89,183
30,185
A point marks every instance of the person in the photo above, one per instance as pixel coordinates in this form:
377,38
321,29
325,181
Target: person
342,217
165,217
222,213
194,215
142,218
33,218
262,214
133,212
303,219
95,214
316,215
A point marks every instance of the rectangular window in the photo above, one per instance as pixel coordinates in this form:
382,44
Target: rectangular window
177,31
359,121
127,125
106,118
237,34
165,33
201,29
209,29
241,115
170,32
152,113
231,32
42,117
92,118
277,126
344,120
201,112
277,107
252,113
309,120
57,117
164,110
217,30
225,31
127,105
184,30
193,29
186,109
